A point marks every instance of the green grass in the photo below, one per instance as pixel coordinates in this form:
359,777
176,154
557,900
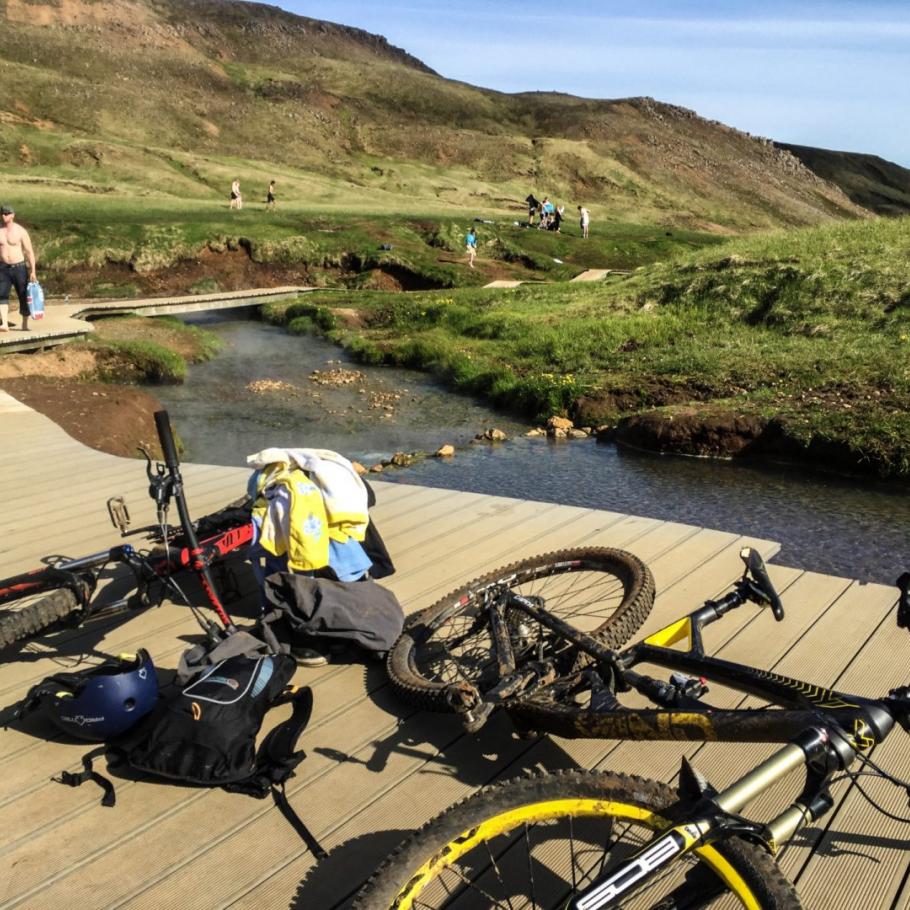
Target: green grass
138,361
810,328
91,234
151,350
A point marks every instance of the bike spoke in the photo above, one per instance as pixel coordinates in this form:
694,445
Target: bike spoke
495,867
572,859
530,867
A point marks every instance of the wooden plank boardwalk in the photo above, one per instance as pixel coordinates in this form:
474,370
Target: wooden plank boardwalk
68,321
376,768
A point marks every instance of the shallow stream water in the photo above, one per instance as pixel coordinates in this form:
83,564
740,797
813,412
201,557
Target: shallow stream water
826,524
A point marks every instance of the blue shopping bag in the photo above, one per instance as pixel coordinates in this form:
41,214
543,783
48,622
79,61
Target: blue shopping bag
35,300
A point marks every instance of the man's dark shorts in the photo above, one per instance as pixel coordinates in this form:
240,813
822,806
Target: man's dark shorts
15,276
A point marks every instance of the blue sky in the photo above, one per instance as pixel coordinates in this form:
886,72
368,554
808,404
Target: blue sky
827,73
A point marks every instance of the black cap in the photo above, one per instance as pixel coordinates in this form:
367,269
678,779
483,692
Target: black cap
7,210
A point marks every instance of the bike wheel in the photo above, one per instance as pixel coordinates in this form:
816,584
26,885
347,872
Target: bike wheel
604,592
535,842
35,617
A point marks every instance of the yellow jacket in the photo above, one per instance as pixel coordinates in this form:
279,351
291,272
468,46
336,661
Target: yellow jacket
298,512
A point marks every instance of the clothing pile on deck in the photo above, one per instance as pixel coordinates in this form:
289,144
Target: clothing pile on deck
316,551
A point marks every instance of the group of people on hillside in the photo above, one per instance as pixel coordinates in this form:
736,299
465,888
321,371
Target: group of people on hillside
550,217
236,197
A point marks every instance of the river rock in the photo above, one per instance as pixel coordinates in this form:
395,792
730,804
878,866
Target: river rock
358,467
492,435
559,423
446,451
576,433
557,433
536,431
403,459
377,468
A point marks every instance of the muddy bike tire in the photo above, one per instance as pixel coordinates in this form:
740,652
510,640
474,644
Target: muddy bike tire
537,841
35,617
450,642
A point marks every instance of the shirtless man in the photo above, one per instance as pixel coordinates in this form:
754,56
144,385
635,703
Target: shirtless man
17,266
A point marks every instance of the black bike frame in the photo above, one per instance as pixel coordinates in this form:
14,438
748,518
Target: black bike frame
864,722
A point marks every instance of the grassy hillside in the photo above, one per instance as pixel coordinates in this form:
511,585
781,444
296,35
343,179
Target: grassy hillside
803,337
144,99
878,185
96,246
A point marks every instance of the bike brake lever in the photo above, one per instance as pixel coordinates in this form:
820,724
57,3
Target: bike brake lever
755,567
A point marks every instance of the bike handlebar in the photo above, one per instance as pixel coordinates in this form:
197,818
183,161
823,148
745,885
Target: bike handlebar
903,606
756,568
166,437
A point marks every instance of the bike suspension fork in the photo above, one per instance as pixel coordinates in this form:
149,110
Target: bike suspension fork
670,845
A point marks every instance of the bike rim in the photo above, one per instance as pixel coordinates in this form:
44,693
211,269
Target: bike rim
458,644
447,876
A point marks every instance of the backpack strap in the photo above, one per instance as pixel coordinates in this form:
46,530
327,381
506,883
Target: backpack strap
278,755
88,773
285,808
276,760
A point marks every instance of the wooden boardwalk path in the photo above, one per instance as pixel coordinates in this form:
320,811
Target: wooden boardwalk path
376,768
67,321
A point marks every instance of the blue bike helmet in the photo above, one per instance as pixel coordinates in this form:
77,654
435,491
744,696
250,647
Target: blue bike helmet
100,703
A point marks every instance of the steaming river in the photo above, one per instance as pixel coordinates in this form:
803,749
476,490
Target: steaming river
826,524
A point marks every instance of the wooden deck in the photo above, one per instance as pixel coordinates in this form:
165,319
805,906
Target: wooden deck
376,768
71,320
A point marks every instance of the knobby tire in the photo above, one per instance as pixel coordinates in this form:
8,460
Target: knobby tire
16,625
35,617
536,841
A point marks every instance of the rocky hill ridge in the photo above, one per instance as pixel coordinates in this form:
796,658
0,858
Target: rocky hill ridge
96,89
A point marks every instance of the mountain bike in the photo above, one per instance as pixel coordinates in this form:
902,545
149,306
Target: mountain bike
588,840
64,589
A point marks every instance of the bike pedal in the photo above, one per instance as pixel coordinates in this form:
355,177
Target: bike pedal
119,513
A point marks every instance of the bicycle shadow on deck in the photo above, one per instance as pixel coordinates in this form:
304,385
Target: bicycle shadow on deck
427,755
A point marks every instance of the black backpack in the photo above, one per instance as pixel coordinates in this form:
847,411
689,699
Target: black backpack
204,733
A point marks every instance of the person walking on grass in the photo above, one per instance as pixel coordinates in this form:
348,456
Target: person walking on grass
236,198
471,246
17,266
584,219
270,196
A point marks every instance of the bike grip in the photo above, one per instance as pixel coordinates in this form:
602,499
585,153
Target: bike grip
759,573
166,437
903,605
